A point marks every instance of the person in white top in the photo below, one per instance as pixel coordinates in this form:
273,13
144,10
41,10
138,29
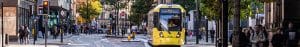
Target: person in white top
212,29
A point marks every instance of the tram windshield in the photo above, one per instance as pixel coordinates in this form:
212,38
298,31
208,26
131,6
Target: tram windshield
170,22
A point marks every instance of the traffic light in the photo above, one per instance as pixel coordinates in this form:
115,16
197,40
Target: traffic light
45,7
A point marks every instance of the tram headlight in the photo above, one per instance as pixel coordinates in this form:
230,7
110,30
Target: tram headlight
178,34
161,34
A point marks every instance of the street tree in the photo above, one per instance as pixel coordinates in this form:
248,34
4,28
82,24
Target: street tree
237,10
187,4
266,1
90,10
212,8
139,10
116,5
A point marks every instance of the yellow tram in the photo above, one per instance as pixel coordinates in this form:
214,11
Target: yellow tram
167,21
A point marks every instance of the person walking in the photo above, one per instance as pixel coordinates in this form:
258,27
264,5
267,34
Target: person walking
55,32
258,37
212,29
290,34
244,37
21,34
212,35
26,34
265,42
278,38
43,32
248,35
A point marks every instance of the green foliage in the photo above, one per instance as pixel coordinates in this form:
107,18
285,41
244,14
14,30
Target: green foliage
135,18
90,10
266,0
212,8
139,10
187,4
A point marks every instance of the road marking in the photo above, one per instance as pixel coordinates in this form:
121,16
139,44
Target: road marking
77,44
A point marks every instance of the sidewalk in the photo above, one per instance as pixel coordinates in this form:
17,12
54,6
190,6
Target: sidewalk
52,41
199,45
191,41
1,40
40,42
18,45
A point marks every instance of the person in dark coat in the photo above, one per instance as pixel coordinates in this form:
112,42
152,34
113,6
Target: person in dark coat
43,31
278,38
21,34
245,37
291,35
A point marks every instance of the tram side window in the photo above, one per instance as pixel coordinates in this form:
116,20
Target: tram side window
155,19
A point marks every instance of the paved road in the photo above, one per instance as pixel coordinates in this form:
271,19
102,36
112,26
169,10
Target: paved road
98,40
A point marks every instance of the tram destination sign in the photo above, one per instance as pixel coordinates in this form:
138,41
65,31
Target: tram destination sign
170,11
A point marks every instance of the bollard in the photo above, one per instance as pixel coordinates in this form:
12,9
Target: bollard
133,35
129,37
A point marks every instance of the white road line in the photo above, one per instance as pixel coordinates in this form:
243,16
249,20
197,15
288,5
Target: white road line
78,44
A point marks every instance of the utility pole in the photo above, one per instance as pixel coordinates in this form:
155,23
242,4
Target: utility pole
35,14
59,23
117,20
2,27
196,29
224,23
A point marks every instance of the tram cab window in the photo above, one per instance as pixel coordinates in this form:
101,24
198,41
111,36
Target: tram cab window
174,24
170,22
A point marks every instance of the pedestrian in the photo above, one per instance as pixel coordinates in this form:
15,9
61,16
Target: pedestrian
55,31
212,29
266,35
81,28
290,34
244,38
258,37
26,34
21,34
77,28
191,34
86,29
254,38
278,38
248,35
42,29
212,33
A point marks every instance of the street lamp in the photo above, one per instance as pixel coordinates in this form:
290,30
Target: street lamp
224,22
196,27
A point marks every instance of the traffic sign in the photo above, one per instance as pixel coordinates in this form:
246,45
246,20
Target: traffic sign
122,14
62,13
